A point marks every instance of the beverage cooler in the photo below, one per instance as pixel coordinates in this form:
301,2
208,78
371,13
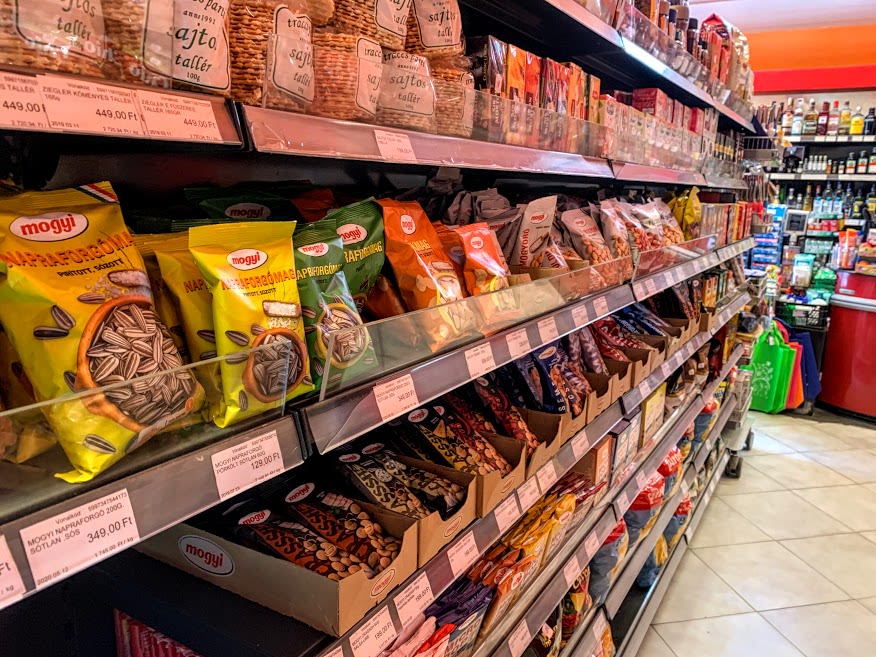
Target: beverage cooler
849,370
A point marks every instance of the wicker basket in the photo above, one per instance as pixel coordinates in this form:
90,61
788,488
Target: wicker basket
29,37
348,71
435,41
455,96
407,93
384,21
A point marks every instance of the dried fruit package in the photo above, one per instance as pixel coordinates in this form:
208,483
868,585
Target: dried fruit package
76,303
250,270
330,315
617,237
586,239
532,248
424,272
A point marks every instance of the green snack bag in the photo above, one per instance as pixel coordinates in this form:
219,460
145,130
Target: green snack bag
360,226
250,270
328,307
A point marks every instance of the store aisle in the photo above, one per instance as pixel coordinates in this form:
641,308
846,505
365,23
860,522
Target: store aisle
784,562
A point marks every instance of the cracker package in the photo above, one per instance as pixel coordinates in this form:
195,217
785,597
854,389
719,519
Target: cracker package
423,270
76,303
250,270
330,315
360,226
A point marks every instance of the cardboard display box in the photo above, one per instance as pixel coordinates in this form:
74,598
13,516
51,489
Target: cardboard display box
709,321
330,606
493,487
595,465
600,399
548,428
642,362
652,414
621,377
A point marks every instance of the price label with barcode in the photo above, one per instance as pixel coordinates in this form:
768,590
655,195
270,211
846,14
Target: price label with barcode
506,513
547,476
75,105
528,493
178,118
519,639
591,545
396,397
547,330
395,146
414,599
580,316
651,287
518,343
480,360
11,586
463,554
374,636
571,571
21,106
600,305
580,445
243,466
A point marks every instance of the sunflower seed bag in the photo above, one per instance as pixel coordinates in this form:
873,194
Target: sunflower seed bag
76,303
328,306
250,270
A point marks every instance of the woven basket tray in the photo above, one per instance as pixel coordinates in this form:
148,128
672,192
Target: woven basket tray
348,73
455,98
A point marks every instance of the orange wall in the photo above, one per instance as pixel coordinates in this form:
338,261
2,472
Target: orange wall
827,47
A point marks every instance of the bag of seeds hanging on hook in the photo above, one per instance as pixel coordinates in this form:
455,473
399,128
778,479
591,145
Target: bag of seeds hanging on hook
257,324
331,321
77,306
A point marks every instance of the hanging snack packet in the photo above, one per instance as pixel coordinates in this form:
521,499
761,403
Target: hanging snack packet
360,226
76,303
186,285
330,315
616,236
423,271
255,304
535,231
485,268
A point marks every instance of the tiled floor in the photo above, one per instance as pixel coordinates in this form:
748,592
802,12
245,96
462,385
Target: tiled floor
784,562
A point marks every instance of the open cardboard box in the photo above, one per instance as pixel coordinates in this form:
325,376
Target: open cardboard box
330,606
433,532
709,321
600,399
660,345
621,377
641,364
493,487
595,465
548,428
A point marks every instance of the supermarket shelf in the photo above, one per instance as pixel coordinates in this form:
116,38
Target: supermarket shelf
636,558
814,175
631,172
825,140
343,417
724,182
185,485
584,642
715,432
587,19
733,250
735,355
705,495
275,131
71,105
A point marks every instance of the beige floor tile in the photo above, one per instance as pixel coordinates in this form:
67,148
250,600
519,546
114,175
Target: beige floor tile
869,603
697,592
769,576
858,436
764,443
854,506
847,560
806,436
859,465
840,629
796,471
870,536
723,526
654,646
744,635
751,481
782,514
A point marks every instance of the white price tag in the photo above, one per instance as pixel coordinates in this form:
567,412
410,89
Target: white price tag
68,541
641,480
414,599
667,368
571,571
396,397
480,360
243,466
394,146
685,487
650,287
374,636
820,138
600,305
178,118
82,106
547,330
580,316
547,476
463,554
623,501
599,627
11,586
337,652
591,545
528,493
519,639
518,343
507,513
580,445
22,104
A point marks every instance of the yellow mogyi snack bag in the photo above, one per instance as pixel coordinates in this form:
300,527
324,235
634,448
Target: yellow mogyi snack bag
250,269
76,303
194,302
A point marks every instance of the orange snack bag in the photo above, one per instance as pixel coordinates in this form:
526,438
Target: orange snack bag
485,269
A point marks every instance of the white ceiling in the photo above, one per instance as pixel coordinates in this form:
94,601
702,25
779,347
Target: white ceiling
769,15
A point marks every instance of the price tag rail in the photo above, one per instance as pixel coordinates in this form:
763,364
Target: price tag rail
185,484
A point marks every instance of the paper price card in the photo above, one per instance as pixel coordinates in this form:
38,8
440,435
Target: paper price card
374,636
591,545
519,639
599,627
22,104
547,476
600,305
396,397
623,501
243,466
463,554
71,540
650,287
395,146
518,343
547,330
580,316
528,493
337,652
81,106
641,480
11,586
580,445
414,599
507,513
480,360
571,571
178,118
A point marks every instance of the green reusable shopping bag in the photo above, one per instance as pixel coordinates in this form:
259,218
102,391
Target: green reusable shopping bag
772,364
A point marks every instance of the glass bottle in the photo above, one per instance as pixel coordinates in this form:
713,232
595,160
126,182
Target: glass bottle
823,118
788,117
856,126
807,200
863,161
870,122
797,122
845,119
851,163
817,202
833,120
810,119
872,166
